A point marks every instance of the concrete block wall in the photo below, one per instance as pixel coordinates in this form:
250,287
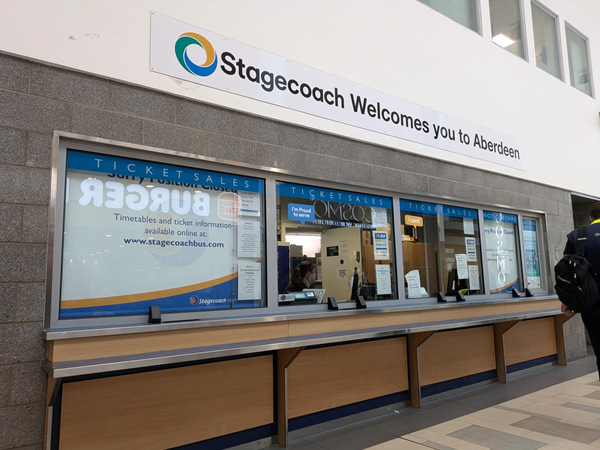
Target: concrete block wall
36,99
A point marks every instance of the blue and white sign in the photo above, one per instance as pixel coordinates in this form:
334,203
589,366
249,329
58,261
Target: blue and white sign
140,234
432,209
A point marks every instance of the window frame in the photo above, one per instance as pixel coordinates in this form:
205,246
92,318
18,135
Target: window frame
561,68
57,222
543,254
270,177
479,30
523,32
589,58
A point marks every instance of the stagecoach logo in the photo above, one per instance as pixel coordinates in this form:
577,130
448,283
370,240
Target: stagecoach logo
194,300
187,41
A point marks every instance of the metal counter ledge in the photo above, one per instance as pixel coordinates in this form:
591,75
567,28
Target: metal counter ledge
154,359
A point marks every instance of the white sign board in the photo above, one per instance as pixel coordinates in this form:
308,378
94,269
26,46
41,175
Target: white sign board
181,50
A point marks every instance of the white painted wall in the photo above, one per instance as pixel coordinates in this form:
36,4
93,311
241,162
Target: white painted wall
400,47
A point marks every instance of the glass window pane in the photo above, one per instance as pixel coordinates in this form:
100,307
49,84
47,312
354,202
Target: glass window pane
545,40
140,233
461,11
578,62
532,253
333,243
502,246
441,250
506,25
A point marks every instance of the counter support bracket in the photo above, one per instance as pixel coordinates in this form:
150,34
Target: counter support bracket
415,340
499,330
560,338
285,358
50,412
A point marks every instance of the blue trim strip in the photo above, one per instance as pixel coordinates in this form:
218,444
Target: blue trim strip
346,410
316,193
499,217
444,386
233,439
106,164
532,363
431,209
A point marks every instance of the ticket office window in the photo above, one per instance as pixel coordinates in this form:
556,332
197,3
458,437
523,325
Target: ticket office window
532,254
441,250
502,252
333,243
138,234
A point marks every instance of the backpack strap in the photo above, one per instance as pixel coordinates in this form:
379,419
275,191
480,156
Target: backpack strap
581,241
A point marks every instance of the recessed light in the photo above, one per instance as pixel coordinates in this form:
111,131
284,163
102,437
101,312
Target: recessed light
502,41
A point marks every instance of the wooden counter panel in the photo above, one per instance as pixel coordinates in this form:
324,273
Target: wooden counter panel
329,377
167,408
316,326
532,306
131,344
453,354
529,340
465,312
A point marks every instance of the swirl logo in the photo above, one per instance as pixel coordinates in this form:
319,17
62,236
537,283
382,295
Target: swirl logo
184,42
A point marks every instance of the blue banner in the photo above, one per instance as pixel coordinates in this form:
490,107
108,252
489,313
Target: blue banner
500,217
529,225
433,209
332,195
163,173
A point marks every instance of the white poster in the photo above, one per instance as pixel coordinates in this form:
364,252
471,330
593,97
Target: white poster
187,52
413,280
381,247
342,273
379,217
344,248
250,203
248,239
249,281
474,278
384,282
461,266
471,249
468,226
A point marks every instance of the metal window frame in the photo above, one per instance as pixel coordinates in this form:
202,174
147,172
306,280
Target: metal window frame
479,23
523,31
555,16
270,176
589,57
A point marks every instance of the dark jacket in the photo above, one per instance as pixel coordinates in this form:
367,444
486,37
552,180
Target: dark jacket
296,285
592,245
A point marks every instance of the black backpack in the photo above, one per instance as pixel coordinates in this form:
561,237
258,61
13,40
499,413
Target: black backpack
576,280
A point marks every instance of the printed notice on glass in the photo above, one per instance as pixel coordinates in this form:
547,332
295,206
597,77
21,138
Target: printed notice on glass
384,282
341,273
249,275
461,266
468,226
381,247
248,239
379,217
474,278
471,249
413,279
345,248
249,203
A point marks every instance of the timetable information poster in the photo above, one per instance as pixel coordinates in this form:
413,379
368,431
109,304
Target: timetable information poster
140,233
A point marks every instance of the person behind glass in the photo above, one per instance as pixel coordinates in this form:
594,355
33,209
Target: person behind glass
303,277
